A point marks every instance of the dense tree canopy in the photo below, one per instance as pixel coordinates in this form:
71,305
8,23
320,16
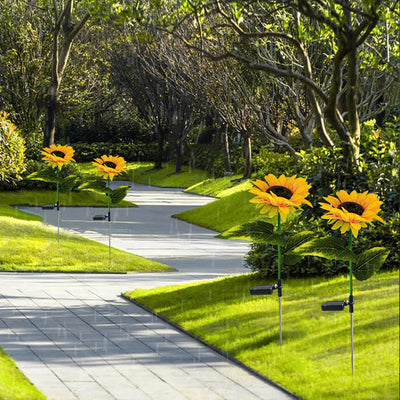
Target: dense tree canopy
291,74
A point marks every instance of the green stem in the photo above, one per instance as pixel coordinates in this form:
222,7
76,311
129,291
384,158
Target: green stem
108,195
58,188
351,264
279,248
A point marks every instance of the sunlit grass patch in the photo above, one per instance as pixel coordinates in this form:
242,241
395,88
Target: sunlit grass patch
143,172
224,213
13,383
32,246
7,211
314,361
42,197
220,187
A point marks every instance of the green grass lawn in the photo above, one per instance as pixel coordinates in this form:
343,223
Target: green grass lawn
314,361
142,172
42,197
32,246
220,187
224,213
14,385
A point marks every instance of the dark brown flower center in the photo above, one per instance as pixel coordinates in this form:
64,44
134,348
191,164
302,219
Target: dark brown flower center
59,154
110,164
280,191
352,207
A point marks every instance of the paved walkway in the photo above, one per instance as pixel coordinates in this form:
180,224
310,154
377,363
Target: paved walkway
149,230
76,338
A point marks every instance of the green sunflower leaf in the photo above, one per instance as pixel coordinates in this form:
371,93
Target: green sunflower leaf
297,240
329,247
45,175
258,232
95,186
290,259
68,183
119,194
369,262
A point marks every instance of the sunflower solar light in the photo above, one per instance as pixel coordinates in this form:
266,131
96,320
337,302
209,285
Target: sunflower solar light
276,197
349,213
56,156
107,167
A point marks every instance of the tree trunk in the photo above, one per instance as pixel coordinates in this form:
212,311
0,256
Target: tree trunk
50,111
179,156
248,166
160,133
227,158
332,112
351,100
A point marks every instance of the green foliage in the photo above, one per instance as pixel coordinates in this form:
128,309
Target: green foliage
95,185
270,162
11,150
68,183
49,174
99,186
38,169
258,232
129,151
211,158
380,162
118,194
44,175
331,248
263,258
369,262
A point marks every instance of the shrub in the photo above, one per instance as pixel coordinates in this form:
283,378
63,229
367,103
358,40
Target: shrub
211,158
34,166
269,162
129,151
11,150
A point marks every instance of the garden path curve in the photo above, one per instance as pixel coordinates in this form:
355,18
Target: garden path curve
76,338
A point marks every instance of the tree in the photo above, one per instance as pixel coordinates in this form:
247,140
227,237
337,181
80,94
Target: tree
280,28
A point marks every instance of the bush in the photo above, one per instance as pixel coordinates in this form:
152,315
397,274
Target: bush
264,258
85,152
269,162
34,166
211,158
11,150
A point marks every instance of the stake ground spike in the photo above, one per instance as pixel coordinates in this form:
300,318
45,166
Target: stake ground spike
58,206
339,305
351,308
268,289
109,219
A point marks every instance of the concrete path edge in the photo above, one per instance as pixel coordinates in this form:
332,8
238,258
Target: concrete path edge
216,349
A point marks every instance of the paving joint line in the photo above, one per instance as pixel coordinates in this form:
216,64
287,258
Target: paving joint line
95,349
216,349
30,347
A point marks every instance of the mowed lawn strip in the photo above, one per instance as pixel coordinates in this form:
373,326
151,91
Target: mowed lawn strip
32,246
314,361
143,172
14,385
42,197
223,214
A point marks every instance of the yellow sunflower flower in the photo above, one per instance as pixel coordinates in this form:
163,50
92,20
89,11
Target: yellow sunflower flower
109,166
58,155
280,195
352,211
